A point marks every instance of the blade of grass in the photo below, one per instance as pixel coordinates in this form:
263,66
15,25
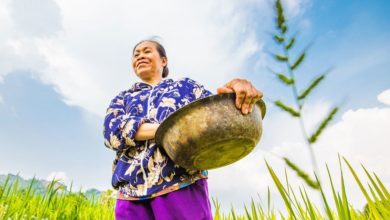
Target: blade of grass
335,198
347,214
384,190
281,190
371,205
327,208
377,188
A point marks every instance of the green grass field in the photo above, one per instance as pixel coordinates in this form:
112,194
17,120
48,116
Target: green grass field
55,203
26,203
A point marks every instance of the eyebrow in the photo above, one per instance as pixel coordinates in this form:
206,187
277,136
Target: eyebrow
144,48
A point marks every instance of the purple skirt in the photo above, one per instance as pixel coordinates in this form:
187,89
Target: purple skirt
191,202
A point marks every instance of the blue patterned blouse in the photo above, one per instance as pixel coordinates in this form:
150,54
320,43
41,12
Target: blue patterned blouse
141,169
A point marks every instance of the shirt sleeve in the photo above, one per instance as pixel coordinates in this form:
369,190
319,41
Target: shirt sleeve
120,128
198,90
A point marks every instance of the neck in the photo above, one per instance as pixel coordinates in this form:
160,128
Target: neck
152,81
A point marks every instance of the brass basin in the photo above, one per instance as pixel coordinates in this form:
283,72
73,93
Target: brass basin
210,132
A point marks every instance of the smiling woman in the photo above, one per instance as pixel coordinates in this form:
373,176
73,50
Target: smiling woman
145,56
150,185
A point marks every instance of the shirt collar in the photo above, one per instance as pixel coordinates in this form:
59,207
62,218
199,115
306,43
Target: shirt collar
142,85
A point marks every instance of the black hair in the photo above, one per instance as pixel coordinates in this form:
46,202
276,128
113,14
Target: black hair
161,52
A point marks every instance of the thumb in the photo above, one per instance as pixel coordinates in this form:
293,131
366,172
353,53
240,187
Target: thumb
221,90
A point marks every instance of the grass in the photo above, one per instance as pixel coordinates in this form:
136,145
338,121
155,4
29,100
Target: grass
298,204
56,203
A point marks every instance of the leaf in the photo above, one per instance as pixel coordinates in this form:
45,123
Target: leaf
299,61
282,190
312,183
280,16
234,216
278,39
384,190
325,201
370,203
253,209
286,108
377,188
290,43
344,202
248,216
285,79
217,215
284,29
281,58
336,201
313,84
313,138
309,206
268,199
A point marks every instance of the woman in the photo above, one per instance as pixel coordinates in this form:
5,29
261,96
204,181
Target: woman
150,185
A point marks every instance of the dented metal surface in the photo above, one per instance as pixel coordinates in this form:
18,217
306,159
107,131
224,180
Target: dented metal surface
210,132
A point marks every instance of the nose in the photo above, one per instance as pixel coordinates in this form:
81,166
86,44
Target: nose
141,56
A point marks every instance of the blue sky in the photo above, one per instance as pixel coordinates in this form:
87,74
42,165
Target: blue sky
61,63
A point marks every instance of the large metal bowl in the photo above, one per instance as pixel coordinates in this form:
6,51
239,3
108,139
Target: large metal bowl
210,132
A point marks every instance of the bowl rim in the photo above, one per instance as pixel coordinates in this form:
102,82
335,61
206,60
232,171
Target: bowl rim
166,122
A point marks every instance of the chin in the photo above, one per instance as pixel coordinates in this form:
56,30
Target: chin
145,74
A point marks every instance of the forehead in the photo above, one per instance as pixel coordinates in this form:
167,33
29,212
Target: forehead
144,45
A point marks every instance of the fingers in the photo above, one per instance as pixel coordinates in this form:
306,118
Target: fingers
224,90
246,105
251,97
244,97
257,95
240,97
246,94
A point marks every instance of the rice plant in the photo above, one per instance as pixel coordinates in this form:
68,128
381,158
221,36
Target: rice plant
288,77
298,204
55,202
18,202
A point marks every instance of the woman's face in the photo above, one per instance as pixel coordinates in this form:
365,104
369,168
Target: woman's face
146,61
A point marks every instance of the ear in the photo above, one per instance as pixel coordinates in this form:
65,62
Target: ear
164,61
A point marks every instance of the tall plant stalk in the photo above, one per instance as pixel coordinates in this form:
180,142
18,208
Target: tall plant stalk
291,65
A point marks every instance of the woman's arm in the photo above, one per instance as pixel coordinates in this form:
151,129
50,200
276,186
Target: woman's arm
120,128
146,131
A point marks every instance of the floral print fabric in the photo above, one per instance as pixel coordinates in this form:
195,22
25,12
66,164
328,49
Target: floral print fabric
142,169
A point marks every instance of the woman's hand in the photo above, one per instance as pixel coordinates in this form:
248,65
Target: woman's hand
246,94
146,131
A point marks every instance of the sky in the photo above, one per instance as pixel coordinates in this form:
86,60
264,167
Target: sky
61,63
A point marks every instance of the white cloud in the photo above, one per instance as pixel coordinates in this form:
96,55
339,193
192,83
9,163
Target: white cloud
384,97
362,137
83,49
295,7
1,99
57,175
40,18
